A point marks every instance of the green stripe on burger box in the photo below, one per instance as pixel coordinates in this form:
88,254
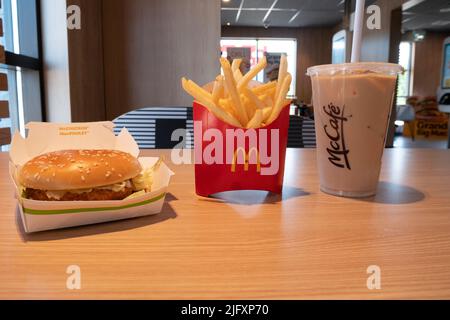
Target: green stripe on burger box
81,210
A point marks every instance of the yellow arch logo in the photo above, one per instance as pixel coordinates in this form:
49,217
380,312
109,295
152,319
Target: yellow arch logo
246,159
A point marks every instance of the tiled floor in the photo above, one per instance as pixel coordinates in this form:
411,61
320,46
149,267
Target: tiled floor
403,142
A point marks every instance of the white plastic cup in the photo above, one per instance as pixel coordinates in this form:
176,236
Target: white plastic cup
352,106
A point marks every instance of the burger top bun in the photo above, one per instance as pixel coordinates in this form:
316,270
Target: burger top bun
78,169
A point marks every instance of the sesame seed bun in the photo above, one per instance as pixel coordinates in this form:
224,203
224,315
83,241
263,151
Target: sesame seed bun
78,169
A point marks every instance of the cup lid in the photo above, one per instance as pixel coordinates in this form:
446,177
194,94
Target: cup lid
376,67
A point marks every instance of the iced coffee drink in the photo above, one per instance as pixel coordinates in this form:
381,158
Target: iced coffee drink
352,105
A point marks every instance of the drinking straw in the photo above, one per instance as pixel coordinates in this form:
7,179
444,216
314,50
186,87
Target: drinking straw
357,30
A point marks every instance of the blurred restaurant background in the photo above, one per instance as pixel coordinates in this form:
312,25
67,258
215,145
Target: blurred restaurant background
126,57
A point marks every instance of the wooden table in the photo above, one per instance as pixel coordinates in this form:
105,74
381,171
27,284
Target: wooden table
304,244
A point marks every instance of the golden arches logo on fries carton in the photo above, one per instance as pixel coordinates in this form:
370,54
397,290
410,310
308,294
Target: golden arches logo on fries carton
240,130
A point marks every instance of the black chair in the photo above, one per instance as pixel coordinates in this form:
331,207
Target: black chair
152,128
302,133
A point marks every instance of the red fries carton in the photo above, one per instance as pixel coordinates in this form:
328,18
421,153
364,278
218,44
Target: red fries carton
229,158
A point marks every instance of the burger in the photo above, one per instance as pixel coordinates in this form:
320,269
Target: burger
83,175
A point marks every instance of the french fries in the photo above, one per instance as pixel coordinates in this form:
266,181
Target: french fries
230,83
256,121
281,97
235,65
218,90
264,88
253,98
266,113
237,75
252,73
237,101
200,96
249,106
282,73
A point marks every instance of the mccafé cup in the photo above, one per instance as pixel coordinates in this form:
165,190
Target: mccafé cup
228,158
352,105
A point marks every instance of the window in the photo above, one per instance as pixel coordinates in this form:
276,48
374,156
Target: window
446,67
339,44
22,64
255,49
404,88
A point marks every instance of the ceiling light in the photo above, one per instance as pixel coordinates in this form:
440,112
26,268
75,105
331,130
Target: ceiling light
228,24
410,4
225,1
238,14
440,23
294,16
406,20
269,11
419,35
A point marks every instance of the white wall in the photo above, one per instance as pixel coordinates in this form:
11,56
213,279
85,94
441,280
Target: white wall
375,46
149,45
55,60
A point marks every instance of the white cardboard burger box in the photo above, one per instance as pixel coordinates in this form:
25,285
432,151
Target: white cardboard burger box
47,137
